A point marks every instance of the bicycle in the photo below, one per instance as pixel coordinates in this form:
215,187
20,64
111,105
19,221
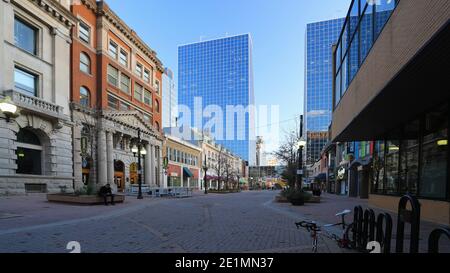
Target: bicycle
315,230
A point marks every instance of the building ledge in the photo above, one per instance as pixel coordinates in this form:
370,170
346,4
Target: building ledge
36,106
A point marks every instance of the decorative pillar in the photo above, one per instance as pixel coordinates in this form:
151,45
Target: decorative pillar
148,166
152,164
102,174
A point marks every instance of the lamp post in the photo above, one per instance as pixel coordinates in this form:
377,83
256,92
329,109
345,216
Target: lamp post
300,145
8,108
139,150
205,170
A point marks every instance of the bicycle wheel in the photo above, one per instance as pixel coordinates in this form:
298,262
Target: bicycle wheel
347,241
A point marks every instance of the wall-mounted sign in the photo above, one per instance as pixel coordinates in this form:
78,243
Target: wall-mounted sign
341,173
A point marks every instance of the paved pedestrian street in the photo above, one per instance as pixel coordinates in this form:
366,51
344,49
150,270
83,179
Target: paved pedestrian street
243,222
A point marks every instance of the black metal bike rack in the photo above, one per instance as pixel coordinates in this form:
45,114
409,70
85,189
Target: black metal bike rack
384,235
408,216
435,236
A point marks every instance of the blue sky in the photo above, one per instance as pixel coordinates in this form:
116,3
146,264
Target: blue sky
277,27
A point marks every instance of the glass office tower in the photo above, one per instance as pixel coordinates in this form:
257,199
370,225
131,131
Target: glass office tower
220,73
170,100
320,38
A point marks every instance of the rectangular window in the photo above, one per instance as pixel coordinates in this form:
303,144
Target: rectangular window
123,58
157,86
113,75
113,102
124,106
25,82
147,118
409,159
148,98
138,92
139,70
84,33
392,162
25,36
125,83
113,49
146,76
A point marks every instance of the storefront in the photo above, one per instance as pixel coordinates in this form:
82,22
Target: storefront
415,163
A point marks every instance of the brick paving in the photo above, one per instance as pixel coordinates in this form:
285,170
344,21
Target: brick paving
247,222
324,213
202,224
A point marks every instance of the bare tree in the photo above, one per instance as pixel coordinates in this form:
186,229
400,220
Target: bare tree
287,154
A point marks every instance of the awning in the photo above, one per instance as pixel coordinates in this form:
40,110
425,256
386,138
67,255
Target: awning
187,172
321,177
361,162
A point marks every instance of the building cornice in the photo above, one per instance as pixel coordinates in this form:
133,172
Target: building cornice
102,9
56,10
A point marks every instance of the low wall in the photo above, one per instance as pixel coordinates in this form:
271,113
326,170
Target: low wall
15,184
430,210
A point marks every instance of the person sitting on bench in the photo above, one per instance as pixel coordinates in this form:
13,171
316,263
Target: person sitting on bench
106,191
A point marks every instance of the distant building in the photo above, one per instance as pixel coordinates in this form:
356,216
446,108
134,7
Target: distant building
170,100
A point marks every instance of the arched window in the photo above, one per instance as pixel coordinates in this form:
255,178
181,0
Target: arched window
157,126
156,106
85,63
85,97
29,153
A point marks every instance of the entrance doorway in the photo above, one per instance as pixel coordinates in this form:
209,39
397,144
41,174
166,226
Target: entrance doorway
119,175
133,173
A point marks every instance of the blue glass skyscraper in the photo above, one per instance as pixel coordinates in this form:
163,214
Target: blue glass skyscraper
220,72
320,37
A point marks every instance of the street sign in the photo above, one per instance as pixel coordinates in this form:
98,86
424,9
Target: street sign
299,172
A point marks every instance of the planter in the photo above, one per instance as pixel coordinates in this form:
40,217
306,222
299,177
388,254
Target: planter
281,199
297,201
314,199
82,199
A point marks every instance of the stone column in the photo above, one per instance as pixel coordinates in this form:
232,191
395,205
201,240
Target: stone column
102,174
110,158
148,166
77,160
160,173
152,164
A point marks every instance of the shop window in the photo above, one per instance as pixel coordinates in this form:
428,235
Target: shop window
434,155
392,160
409,159
29,153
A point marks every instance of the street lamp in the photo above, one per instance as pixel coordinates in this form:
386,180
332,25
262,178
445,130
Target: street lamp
8,108
205,169
139,150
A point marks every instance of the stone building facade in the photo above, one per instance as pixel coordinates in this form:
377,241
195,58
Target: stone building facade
116,92
36,144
